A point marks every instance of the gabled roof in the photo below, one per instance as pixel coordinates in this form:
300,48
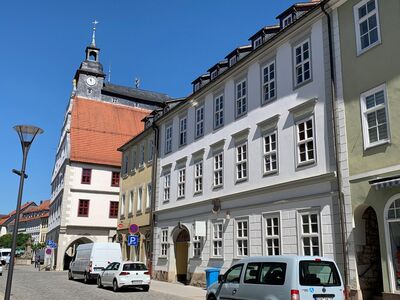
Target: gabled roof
11,214
98,128
45,205
266,30
133,93
245,48
301,6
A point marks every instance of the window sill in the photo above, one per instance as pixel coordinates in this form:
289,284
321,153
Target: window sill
305,163
139,213
241,180
165,202
217,257
266,102
362,51
132,172
149,163
130,215
237,117
377,144
217,187
300,85
180,198
269,173
199,137
147,210
141,168
197,193
122,217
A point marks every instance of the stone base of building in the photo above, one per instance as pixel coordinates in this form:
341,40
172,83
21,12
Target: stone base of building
21,261
197,279
390,296
164,276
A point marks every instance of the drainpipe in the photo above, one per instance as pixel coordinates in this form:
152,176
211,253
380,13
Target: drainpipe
343,227
153,192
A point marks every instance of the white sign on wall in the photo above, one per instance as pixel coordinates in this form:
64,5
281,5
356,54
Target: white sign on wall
200,228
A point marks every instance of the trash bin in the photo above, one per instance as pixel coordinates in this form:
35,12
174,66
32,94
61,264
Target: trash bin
211,276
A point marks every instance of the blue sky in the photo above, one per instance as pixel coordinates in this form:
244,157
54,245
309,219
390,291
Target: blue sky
166,44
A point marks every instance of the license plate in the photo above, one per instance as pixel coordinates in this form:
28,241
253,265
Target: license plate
323,298
136,281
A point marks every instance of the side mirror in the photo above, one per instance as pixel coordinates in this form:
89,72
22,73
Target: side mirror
221,278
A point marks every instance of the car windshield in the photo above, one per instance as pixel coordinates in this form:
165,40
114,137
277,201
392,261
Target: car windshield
134,267
318,273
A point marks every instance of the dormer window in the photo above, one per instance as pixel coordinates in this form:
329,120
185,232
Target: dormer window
257,42
287,21
214,74
232,61
197,86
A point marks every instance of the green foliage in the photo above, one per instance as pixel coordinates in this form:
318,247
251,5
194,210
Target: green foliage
38,246
6,240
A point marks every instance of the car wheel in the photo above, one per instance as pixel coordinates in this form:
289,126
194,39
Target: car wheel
86,278
146,288
70,276
99,285
115,286
211,297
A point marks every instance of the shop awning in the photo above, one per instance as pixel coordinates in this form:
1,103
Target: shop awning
386,182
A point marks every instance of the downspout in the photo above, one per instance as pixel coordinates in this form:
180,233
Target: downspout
153,193
343,227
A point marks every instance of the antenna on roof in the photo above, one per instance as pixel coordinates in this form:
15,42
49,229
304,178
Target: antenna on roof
137,82
109,73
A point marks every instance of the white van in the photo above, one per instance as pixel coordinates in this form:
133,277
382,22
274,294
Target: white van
5,255
91,259
280,278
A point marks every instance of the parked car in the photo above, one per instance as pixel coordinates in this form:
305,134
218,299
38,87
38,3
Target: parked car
280,278
91,259
4,252
125,274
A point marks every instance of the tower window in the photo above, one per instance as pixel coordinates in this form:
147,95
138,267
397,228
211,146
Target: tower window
92,56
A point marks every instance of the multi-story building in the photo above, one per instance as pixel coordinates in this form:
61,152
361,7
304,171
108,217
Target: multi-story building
7,222
99,118
367,42
246,163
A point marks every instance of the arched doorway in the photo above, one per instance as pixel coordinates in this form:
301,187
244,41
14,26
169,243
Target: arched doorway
70,252
369,257
392,230
181,241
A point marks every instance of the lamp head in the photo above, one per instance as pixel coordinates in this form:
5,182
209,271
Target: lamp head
27,133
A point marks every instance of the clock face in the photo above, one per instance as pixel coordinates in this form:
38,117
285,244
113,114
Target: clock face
91,81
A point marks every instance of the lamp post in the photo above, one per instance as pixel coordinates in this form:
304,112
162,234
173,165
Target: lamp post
26,135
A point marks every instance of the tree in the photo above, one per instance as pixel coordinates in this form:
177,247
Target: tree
6,240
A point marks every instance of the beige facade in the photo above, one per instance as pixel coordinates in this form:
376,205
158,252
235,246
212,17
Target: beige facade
135,195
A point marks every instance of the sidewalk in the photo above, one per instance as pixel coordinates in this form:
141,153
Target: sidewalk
176,289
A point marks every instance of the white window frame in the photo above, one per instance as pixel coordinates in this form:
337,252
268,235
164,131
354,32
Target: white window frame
241,104
242,241
197,243
287,21
196,86
164,242
232,61
168,139
139,200
182,131
305,142
310,235
272,235
241,163
269,154
199,123
214,74
365,112
122,208
167,187
150,146
142,155
218,170
257,42
198,177
302,62
358,21
217,242
181,182
148,195
131,200
219,111
268,83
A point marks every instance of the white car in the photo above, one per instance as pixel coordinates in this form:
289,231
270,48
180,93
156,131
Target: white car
1,269
280,278
125,274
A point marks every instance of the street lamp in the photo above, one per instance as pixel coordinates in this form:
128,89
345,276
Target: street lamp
26,135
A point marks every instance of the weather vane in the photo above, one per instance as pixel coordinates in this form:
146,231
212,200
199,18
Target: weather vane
95,22
137,82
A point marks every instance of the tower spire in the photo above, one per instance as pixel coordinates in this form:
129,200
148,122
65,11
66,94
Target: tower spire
95,22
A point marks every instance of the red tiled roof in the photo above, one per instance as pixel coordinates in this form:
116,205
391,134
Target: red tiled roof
23,207
45,205
99,128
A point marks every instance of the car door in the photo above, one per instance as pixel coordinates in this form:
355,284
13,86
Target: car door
230,283
114,272
105,278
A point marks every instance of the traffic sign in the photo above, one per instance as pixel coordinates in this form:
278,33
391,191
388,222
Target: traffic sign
134,228
120,225
48,251
51,244
133,240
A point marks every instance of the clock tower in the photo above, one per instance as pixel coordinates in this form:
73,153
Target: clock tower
89,78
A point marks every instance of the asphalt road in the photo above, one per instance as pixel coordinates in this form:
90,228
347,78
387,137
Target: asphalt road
30,284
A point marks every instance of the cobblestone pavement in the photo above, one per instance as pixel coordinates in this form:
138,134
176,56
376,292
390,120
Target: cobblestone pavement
30,284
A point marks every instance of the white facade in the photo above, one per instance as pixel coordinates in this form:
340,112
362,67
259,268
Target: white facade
299,192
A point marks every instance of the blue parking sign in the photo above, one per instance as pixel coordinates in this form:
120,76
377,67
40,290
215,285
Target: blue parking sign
133,240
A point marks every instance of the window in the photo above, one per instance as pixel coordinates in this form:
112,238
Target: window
133,161
366,19
151,150
199,121
219,111
218,170
196,86
273,273
272,244
148,196
242,238
374,117
139,200
113,213
115,179
241,162
257,42
270,153
125,164
241,99
310,234
86,176
167,186
233,274
287,21
142,155
232,61
181,182
318,273
83,209
393,226
252,273
164,242
217,239
302,58
182,131
196,246
305,141
198,177
268,73
168,139
214,74
122,212
130,203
